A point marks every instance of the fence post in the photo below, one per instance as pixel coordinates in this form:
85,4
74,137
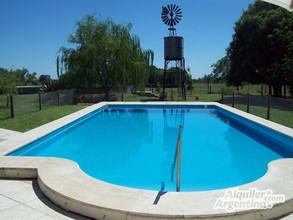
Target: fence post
7,100
222,97
269,108
11,106
74,98
40,101
233,99
58,97
248,102
122,94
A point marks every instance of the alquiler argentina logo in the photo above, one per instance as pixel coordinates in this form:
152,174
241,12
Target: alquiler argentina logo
236,199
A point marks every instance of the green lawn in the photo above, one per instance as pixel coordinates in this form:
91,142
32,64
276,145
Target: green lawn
26,121
277,115
32,120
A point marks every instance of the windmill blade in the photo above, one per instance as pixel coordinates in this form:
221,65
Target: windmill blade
178,9
164,10
173,7
176,20
169,8
164,16
165,20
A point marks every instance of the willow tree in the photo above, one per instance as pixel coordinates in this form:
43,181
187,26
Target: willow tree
104,55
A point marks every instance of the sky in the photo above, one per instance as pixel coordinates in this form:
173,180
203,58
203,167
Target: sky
32,31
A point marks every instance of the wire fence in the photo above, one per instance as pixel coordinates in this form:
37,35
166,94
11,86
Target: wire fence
24,104
4,107
276,109
15,105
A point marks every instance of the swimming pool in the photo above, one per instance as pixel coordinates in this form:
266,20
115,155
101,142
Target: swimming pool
64,183
135,146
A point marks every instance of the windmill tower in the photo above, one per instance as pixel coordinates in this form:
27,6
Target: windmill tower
173,48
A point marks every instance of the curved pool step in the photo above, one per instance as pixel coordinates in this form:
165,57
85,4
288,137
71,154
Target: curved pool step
66,185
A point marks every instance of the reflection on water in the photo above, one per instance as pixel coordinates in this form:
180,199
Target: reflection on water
173,118
253,151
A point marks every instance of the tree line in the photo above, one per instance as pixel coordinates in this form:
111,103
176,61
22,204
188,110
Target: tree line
261,50
10,79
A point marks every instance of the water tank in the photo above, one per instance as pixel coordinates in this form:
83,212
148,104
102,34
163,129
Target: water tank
173,48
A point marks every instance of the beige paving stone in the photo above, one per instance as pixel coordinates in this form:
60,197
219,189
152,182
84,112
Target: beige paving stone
19,191
6,203
7,185
43,205
20,212
40,207
64,215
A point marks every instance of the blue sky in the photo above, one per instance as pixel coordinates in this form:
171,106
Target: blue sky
32,31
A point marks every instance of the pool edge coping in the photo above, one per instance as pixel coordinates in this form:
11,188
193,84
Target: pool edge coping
55,175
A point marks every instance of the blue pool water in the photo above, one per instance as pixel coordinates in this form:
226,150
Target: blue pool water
135,146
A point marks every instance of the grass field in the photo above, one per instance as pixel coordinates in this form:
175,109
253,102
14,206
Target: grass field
277,115
32,120
28,115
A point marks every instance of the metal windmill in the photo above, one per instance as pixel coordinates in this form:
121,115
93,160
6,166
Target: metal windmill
173,47
171,15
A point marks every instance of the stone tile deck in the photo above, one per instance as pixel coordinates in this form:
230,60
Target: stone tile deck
5,134
23,199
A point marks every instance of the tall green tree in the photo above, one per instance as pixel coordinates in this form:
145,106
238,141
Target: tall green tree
105,55
261,48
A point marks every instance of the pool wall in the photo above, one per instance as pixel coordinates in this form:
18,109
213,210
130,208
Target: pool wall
65,184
